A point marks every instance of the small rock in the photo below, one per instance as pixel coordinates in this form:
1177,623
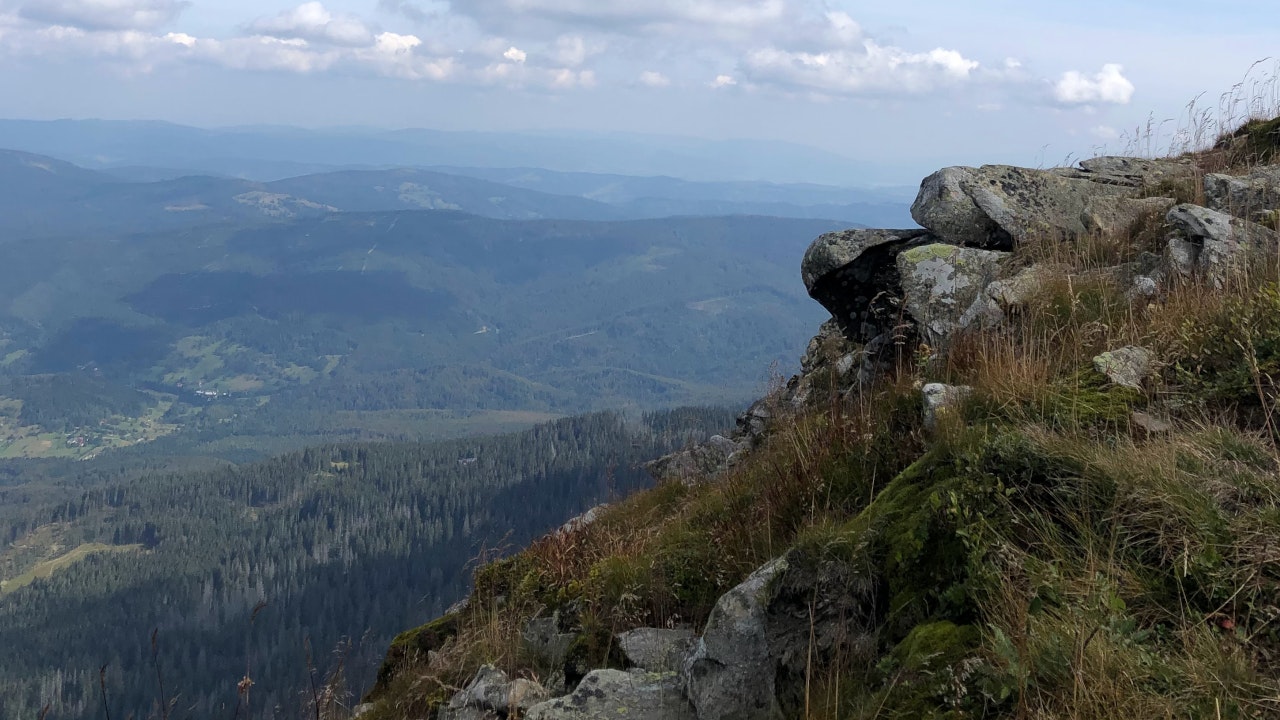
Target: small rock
1142,288
1128,366
614,694
939,399
656,649
584,519
361,709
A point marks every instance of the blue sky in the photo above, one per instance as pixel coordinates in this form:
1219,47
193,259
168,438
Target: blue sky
933,81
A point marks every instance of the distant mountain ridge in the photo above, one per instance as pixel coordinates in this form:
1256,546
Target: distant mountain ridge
46,196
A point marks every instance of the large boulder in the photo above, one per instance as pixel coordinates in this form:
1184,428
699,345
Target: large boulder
996,206
1213,243
944,288
1247,196
791,614
854,276
614,694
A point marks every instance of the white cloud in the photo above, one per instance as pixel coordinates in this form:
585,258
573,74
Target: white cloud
652,79
723,81
313,21
1108,86
104,14
871,68
626,17
516,55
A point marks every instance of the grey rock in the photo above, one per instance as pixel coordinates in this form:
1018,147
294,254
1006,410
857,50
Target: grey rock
1129,366
731,673
361,709
835,251
996,206
853,275
1142,287
1138,173
1183,256
754,423
614,694
1244,196
750,662
944,286
939,399
698,463
656,649
947,208
1225,242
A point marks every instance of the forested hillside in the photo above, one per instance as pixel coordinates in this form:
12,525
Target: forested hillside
269,331
206,577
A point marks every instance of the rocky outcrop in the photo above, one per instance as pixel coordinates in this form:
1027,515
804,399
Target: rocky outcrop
997,206
613,694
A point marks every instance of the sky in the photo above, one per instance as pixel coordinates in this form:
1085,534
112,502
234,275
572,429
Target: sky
1033,82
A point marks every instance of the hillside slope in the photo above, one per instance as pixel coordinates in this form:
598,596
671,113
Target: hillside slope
1029,471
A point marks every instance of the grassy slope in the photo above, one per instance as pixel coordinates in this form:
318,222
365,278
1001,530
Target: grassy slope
1043,555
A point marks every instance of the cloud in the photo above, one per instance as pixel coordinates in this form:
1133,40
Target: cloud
870,68
723,81
312,21
1108,86
515,55
104,14
652,79
626,16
